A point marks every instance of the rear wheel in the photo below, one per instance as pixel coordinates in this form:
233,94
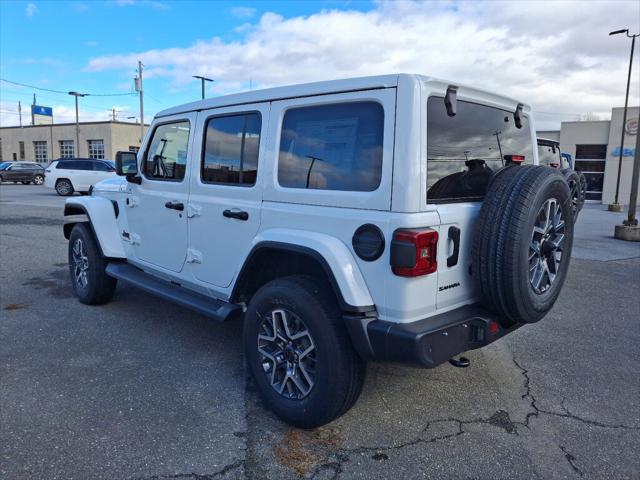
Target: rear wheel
573,181
64,187
90,283
38,179
299,352
523,242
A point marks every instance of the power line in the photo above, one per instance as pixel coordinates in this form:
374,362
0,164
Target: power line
65,93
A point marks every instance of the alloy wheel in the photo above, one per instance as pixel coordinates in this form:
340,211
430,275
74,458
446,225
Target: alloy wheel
80,263
38,180
287,354
545,248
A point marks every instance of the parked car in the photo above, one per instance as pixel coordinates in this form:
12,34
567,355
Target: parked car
24,172
549,154
376,218
70,175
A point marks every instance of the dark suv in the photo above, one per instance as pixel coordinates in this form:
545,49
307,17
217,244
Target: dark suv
25,172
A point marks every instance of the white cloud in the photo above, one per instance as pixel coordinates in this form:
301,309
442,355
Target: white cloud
9,115
558,56
243,12
31,9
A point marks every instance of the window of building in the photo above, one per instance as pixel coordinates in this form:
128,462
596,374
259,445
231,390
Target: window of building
590,160
463,151
40,152
21,150
166,156
96,148
332,147
134,149
231,149
66,149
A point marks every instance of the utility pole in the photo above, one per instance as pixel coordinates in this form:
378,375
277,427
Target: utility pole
113,114
615,206
76,95
20,113
203,79
33,105
497,134
139,89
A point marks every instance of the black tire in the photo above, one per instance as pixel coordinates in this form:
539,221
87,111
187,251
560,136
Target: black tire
583,189
504,241
38,180
338,372
64,187
573,181
99,287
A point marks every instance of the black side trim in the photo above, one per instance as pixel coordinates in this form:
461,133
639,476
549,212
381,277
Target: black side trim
288,247
210,307
67,227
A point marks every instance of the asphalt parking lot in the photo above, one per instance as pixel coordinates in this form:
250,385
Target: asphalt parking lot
142,389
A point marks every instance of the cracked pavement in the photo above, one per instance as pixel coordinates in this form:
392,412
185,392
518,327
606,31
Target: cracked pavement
141,389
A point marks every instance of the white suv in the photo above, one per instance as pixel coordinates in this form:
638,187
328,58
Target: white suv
68,175
393,218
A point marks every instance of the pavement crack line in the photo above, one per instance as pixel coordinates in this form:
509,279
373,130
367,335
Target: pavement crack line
572,460
537,410
196,476
499,419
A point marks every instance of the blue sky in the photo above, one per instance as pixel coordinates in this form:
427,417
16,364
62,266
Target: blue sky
564,64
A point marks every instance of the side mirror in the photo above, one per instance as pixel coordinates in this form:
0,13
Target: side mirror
126,164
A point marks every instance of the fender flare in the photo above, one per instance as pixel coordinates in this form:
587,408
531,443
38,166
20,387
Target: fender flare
101,214
331,253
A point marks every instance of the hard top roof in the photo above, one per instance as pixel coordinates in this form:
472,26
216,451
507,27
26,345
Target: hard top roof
315,88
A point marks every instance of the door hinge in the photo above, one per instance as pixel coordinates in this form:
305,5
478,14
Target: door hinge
132,201
193,211
194,256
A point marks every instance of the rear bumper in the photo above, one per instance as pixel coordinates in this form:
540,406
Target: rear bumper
428,342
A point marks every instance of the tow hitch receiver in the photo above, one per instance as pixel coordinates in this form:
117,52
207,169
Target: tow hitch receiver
462,362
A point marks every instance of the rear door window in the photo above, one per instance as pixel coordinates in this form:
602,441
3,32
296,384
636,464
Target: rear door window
332,147
463,151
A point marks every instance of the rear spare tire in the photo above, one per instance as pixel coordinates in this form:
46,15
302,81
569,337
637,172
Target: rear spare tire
522,243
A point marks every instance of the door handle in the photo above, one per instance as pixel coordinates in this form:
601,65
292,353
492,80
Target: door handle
175,206
454,235
240,215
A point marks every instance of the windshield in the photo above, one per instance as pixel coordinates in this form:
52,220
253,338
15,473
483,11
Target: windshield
463,151
549,154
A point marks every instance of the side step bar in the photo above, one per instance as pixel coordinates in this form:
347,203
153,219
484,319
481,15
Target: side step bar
210,307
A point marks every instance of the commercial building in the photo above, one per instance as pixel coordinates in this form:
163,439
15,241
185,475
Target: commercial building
595,149
44,143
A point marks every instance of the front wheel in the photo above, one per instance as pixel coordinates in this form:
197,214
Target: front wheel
38,179
299,352
90,283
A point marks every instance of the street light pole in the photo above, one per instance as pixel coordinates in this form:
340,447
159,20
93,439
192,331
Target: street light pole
615,206
76,94
203,79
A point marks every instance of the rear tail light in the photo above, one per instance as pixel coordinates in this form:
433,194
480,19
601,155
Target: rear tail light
413,252
514,158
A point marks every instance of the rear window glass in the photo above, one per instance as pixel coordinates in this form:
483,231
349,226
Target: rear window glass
463,151
549,155
332,147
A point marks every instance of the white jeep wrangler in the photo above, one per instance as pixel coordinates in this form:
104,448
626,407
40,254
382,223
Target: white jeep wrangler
384,218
